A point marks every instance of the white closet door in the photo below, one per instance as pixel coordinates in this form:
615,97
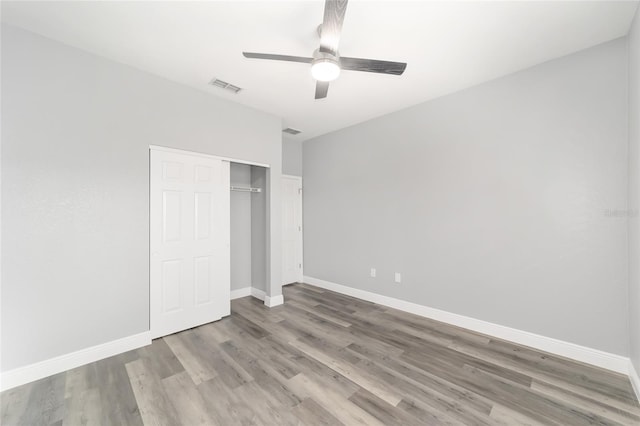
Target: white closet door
189,241
291,229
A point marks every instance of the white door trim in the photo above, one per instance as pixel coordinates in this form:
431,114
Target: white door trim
200,154
300,274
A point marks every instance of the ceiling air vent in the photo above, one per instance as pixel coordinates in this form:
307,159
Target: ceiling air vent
224,85
291,131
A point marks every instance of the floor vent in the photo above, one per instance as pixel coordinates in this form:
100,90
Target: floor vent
224,85
291,131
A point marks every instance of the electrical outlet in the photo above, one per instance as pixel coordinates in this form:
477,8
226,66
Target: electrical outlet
373,272
398,277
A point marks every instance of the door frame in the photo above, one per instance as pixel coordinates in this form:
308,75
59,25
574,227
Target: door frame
201,154
184,152
301,233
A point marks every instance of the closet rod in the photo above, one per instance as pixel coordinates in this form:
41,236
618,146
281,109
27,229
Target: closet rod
245,189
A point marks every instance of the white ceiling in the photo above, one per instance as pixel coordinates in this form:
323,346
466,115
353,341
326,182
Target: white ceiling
448,46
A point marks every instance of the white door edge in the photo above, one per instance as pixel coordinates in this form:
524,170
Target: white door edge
200,154
300,274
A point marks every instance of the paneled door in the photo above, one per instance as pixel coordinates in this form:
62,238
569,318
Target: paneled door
291,229
189,240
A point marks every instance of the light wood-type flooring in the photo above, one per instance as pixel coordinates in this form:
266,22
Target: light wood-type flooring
326,359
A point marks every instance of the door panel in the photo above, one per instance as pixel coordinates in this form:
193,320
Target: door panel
291,229
171,208
189,241
171,278
202,279
203,215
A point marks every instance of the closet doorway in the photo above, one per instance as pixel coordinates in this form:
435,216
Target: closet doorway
249,243
192,264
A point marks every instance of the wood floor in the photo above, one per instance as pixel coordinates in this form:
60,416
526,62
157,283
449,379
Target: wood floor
324,358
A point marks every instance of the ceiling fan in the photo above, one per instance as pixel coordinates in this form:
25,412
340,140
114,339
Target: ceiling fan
326,62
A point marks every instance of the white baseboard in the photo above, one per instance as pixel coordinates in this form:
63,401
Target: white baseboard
272,301
241,292
247,291
29,373
40,370
635,379
268,300
257,293
609,361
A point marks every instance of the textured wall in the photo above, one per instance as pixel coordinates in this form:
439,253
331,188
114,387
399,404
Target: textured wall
634,191
76,130
501,202
291,157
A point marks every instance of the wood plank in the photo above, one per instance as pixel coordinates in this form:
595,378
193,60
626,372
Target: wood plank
505,417
186,400
343,409
117,400
621,397
199,369
15,403
161,358
265,406
83,408
426,380
381,410
153,402
48,394
599,406
226,407
326,358
310,412
352,373
314,313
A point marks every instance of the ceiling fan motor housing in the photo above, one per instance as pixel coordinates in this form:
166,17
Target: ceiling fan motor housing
325,66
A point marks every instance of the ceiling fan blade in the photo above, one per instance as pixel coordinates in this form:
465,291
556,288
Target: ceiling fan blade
372,65
322,87
277,57
334,11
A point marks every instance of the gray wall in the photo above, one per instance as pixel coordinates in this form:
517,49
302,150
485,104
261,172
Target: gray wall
492,202
258,228
241,228
634,190
76,130
291,157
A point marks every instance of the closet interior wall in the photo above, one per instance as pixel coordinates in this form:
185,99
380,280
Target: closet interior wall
248,227
259,228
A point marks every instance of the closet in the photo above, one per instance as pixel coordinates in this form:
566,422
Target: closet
249,194
208,227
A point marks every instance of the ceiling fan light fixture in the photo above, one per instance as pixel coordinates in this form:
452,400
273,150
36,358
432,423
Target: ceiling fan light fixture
325,69
326,63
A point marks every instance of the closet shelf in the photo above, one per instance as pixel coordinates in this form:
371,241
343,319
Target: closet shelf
245,189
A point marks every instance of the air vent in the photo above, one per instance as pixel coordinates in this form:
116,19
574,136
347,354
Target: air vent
224,85
291,131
